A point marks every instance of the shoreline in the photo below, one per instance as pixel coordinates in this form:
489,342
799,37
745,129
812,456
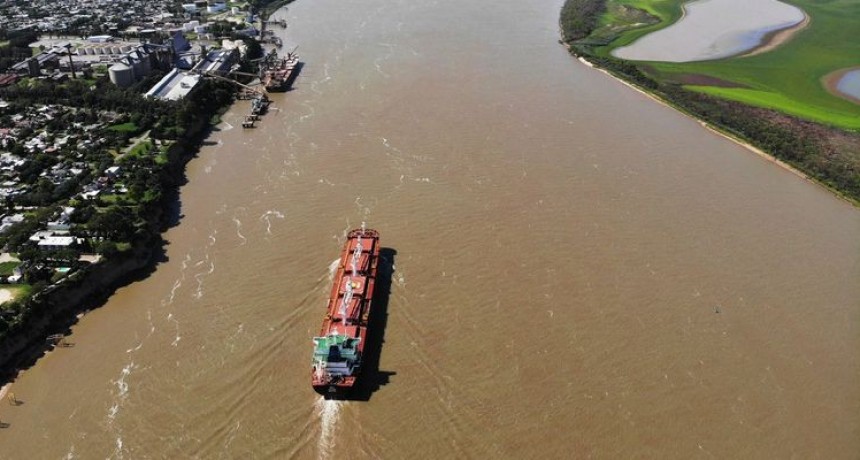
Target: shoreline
716,130
65,304
776,38
831,80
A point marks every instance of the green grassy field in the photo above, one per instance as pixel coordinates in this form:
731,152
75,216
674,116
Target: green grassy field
788,78
627,20
128,127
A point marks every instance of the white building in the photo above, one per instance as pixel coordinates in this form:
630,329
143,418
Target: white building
53,243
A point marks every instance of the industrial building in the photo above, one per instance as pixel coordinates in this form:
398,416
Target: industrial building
178,83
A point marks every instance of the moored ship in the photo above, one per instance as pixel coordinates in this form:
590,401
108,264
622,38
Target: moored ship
338,349
279,73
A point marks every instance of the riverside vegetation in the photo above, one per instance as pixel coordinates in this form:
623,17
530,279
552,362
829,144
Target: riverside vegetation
775,100
124,228
149,140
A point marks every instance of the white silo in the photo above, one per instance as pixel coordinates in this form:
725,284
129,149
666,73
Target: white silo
121,75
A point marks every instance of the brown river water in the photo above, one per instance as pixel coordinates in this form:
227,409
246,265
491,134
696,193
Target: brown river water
575,270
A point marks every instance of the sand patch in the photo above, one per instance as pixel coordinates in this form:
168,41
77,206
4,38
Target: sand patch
779,37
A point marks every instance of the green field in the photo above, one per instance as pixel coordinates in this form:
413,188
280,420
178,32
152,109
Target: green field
128,127
787,78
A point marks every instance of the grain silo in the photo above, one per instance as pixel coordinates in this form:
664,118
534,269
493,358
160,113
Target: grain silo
121,75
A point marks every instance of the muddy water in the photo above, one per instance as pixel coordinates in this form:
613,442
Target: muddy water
578,270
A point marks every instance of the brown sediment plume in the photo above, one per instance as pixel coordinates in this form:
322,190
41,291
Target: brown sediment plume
831,80
775,38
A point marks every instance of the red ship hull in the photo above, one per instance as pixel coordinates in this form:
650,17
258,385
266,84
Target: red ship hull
340,345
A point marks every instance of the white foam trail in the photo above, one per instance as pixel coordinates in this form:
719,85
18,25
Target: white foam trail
401,280
71,454
238,230
267,218
329,415
176,285
121,384
118,451
113,411
176,324
151,331
332,268
121,393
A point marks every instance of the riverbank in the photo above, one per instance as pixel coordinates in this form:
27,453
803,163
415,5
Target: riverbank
53,310
824,154
783,75
712,128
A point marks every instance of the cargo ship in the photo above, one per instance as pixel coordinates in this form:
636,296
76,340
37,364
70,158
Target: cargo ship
338,349
278,73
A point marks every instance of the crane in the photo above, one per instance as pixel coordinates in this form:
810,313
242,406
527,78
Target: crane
216,74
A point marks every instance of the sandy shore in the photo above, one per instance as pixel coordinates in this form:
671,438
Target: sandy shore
778,37
832,79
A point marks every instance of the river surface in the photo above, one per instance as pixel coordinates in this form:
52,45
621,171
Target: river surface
579,271
714,29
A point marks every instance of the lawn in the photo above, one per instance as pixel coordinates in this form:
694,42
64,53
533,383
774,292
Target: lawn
787,79
14,291
7,267
128,127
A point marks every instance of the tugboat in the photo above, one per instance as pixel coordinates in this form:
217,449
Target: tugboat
338,349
